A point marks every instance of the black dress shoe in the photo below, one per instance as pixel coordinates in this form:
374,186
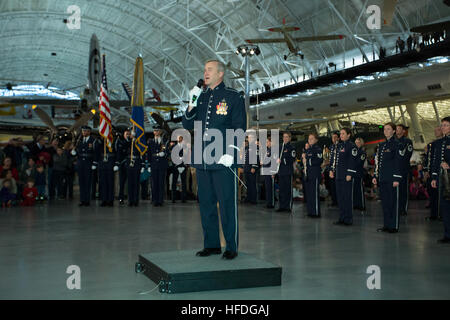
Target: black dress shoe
270,207
444,240
229,255
392,230
103,204
81,204
208,251
384,229
348,224
338,223
431,218
403,214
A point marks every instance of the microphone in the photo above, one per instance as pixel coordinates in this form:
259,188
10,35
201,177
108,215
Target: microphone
200,84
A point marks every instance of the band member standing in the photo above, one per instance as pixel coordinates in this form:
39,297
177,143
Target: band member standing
440,175
106,161
387,177
313,158
433,192
217,107
359,200
158,147
269,177
251,169
121,147
285,173
135,166
333,154
406,148
346,153
85,164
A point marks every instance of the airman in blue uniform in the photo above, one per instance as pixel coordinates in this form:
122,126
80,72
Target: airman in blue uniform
122,145
433,192
313,158
251,169
269,176
346,154
85,164
135,167
106,161
359,200
217,107
159,153
179,170
286,172
333,154
440,175
406,147
388,176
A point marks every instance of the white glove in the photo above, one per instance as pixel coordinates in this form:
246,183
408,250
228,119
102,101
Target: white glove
142,170
193,96
149,170
226,160
116,168
180,170
74,153
161,154
94,167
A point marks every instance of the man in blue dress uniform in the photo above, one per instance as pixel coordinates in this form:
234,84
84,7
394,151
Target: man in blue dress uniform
85,164
106,161
313,158
433,192
359,200
406,147
217,107
285,173
121,146
440,175
388,162
135,166
269,177
159,151
251,169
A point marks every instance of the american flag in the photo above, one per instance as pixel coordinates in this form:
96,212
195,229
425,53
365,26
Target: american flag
105,112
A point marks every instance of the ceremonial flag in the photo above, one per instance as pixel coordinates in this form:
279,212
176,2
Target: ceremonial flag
137,104
105,128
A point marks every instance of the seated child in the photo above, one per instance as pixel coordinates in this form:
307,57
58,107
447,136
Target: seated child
6,196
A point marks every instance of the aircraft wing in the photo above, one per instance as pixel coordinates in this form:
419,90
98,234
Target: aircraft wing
268,40
59,102
320,38
435,27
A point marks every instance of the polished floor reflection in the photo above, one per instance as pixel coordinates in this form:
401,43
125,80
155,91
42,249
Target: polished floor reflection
319,260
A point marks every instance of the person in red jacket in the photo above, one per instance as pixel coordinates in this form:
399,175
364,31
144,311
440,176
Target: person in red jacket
29,194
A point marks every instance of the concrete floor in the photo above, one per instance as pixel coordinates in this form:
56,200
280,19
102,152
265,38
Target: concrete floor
319,260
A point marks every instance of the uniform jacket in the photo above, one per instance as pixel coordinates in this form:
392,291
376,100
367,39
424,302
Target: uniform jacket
441,154
314,158
390,158
248,150
121,147
221,108
157,161
360,159
85,150
406,147
105,161
287,156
